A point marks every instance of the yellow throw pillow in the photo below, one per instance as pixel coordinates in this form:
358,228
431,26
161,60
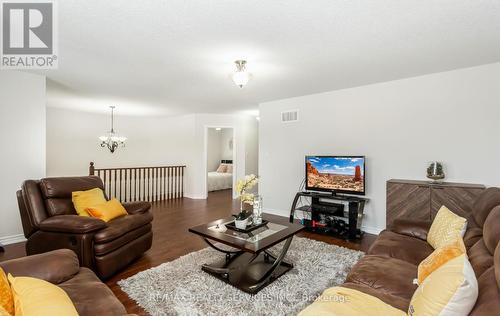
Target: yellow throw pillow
83,199
446,228
3,312
450,290
108,210
41,298
341,301
439,257
6,298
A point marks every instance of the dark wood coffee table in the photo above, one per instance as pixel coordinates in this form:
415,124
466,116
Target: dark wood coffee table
250,266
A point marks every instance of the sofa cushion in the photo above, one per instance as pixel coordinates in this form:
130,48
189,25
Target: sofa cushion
393,245
396,301
480,258
121,226
388,275
488,199
488,301
90,296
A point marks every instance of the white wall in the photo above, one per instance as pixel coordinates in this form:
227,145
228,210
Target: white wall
22,139
72,142
252,146
399,125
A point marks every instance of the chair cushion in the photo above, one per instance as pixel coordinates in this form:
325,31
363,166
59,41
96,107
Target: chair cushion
121,226
390,244
388,275
90,296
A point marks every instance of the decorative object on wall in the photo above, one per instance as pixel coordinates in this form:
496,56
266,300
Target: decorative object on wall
112,140
435,171
241,76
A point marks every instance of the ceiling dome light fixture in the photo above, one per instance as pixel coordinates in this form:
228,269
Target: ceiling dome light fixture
241,76
112,140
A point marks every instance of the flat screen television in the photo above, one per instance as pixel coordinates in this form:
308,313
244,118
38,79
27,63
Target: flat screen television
337,174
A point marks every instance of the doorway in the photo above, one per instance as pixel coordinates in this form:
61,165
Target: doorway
220,162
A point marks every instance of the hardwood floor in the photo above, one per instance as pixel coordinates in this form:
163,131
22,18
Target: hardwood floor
172,239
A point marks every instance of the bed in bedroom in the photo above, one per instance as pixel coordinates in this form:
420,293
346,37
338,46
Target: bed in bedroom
221,179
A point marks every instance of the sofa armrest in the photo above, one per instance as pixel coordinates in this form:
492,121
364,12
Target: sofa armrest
73,224
55,266
413,228
137,207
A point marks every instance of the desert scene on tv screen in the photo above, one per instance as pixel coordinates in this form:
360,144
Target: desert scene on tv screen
336,173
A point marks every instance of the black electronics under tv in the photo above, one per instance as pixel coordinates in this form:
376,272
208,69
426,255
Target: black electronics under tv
336,174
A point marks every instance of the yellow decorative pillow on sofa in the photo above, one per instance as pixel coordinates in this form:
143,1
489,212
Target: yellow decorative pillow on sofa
38,297
108,210
452,289
6,298
83,199
439,257
341,301
446,228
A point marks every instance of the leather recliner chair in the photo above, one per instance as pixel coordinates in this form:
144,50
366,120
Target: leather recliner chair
50,222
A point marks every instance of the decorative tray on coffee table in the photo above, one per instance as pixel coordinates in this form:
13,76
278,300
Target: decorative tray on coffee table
248,229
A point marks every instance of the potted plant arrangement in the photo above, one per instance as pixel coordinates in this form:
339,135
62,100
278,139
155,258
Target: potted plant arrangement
243,185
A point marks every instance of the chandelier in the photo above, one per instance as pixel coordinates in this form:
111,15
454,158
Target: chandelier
241,76
111,139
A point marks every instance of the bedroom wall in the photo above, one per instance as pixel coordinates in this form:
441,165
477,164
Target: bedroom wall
399,126
214,152
226,135
22,139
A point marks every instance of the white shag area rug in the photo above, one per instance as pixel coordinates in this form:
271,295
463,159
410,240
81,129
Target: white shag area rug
180,287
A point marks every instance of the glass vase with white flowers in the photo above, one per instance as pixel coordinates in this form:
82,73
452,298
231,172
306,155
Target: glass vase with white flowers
242,188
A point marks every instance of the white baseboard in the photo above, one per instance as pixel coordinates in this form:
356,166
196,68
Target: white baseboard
367,229
195,197
371,230
7,240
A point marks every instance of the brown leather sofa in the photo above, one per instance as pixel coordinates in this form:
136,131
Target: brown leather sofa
388,269
89,295
50,222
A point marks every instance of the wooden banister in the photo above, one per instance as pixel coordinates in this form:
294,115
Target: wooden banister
142,183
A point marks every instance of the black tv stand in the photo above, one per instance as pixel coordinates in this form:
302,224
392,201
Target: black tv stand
330,213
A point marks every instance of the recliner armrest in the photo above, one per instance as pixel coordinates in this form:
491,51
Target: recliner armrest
72,224
55,266
413,228
137,207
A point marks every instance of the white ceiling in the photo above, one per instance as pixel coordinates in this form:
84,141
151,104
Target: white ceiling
176,56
